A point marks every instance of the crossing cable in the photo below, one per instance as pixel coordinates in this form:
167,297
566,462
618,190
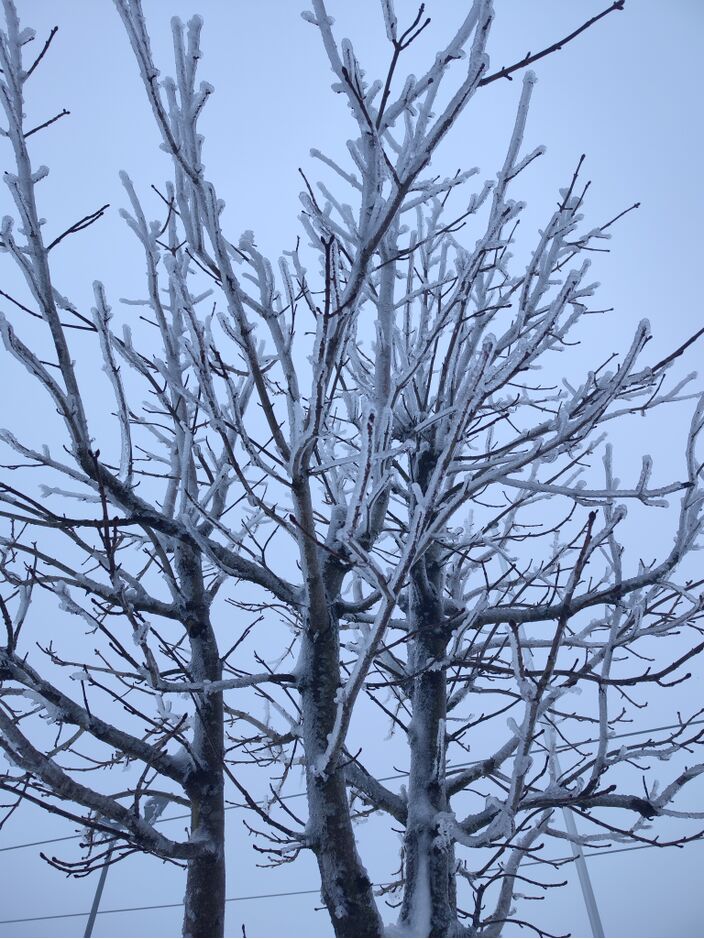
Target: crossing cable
297,893
298,795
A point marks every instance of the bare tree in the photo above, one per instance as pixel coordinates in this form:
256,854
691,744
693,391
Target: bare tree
139,562
455,549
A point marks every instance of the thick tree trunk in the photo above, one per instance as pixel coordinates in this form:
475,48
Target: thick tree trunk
204,913
429,905
345,884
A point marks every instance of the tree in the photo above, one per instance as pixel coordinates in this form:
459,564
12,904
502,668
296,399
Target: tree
450,555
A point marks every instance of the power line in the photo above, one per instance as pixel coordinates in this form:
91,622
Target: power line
156,906
297,893
36,844
298,795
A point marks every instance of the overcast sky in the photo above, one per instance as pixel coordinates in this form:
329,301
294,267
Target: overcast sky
627,94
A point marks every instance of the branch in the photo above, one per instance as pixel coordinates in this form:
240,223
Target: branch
507,71
72,713
372,790
21,752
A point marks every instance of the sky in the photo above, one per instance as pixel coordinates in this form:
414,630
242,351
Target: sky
626,94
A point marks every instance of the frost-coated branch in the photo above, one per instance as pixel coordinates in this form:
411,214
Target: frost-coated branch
337,483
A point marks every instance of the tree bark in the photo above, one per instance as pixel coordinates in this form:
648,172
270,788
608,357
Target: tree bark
204,913
430,902
345,884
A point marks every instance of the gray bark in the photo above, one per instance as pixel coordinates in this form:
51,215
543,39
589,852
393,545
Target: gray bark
345,885
204,913
429,859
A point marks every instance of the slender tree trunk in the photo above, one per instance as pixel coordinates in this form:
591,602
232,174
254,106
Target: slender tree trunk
204,913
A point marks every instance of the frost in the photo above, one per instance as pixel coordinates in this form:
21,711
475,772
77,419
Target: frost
153,808
445,824
182,758
82,675
164,709
306,440
421,901
522,764
49,712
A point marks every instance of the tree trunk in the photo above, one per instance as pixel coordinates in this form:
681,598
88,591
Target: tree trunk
429,898
429,905
204,913
345,884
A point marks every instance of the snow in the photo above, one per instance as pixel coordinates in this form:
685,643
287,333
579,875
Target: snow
420,913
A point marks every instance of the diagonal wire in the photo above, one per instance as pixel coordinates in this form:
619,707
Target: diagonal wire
298,893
